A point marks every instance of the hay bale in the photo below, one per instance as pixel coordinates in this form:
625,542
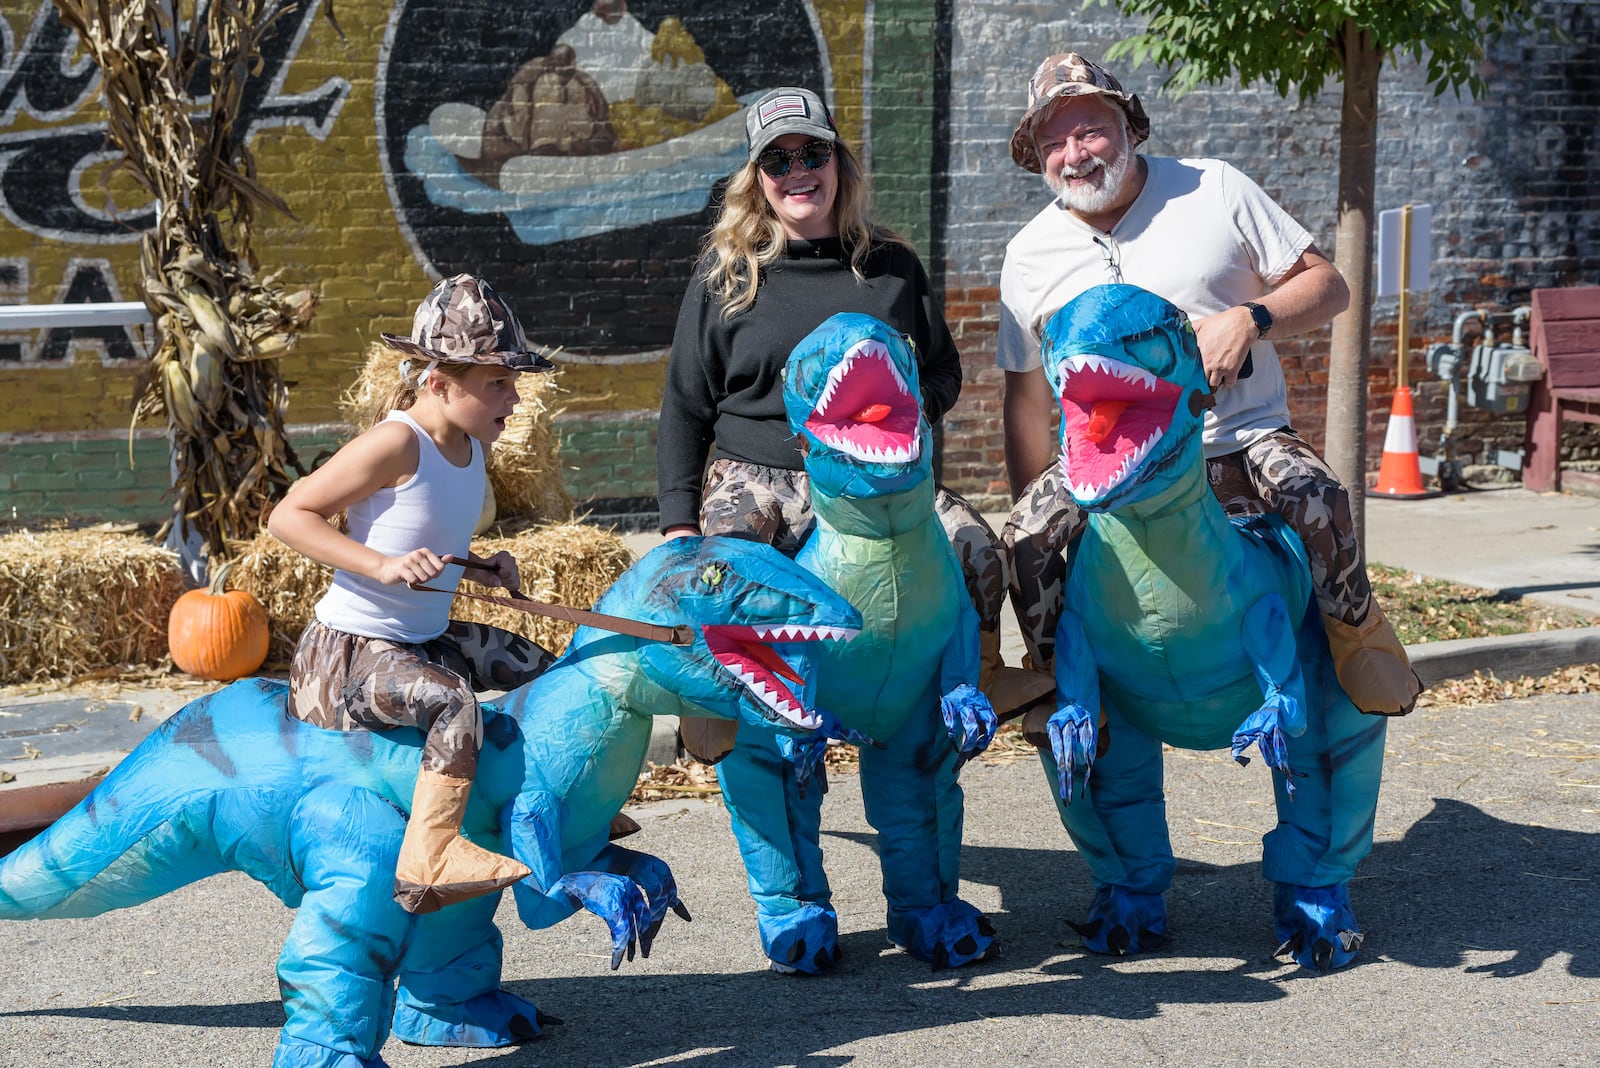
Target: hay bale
568,563
288,586
524,464
77,602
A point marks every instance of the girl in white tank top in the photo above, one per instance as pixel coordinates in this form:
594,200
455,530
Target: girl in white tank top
380,654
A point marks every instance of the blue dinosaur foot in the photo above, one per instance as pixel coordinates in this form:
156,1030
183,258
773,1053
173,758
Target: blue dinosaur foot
804,941
1315,925
297,1053
1121,921
492,1019
946,936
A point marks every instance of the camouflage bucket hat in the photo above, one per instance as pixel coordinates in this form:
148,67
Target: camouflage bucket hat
1065,75
463,320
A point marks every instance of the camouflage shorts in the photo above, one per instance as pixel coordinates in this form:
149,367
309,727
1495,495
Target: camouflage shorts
347,682
1278,473
774,505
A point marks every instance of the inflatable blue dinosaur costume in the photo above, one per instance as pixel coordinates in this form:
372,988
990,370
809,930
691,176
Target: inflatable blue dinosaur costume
1185,627
906,684
232,783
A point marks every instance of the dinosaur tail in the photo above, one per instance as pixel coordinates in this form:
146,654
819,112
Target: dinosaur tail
109,852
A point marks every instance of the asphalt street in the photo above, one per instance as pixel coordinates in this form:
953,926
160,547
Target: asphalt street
1478,900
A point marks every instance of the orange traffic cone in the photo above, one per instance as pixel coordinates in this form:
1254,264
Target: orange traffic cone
1400,474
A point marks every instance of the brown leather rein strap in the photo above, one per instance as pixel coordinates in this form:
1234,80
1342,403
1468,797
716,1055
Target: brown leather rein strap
680,635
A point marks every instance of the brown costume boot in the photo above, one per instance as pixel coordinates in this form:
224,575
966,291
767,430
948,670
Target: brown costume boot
1010,690
1372,665
438,867
708,740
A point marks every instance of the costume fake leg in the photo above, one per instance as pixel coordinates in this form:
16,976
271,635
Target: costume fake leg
765,504
913,800
336,972
1292,480
438,867
1036,541
986,572
346,682
779,833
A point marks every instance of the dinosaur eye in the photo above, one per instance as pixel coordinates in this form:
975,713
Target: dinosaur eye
713,575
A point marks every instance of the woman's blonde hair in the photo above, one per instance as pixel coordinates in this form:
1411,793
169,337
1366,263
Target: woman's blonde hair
748,237
404,393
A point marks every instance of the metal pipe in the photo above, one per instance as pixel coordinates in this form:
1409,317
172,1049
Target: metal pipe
45,316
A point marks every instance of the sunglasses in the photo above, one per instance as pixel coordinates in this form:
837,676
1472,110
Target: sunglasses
813,156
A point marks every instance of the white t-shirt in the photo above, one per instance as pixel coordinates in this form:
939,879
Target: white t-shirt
1203,236
436,508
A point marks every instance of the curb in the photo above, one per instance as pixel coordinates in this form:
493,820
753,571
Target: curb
1506,656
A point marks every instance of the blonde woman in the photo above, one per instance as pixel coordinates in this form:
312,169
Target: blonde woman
793,245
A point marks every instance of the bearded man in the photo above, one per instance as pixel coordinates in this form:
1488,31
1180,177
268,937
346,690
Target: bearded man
1204,236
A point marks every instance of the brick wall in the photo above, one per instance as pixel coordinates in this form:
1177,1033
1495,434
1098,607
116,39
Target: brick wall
376,139
1509,178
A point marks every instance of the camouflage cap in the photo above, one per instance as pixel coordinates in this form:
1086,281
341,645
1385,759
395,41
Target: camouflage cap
1068,74
463,320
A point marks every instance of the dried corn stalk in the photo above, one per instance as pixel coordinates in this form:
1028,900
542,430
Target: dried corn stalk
214,374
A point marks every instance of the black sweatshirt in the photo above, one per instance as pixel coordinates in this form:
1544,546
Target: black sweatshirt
725,376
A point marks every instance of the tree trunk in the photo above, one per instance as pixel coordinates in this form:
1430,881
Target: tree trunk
1348,360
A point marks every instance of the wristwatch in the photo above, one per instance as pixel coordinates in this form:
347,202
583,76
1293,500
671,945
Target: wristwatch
1262,317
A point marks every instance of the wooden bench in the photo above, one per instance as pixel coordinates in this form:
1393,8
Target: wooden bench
1565,330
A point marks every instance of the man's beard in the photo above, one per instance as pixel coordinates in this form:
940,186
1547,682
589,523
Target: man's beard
1090,201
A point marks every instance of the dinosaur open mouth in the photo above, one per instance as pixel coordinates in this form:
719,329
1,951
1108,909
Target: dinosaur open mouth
865,410
1113,415
745,653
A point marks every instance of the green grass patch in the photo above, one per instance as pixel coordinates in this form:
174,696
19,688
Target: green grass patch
1431,610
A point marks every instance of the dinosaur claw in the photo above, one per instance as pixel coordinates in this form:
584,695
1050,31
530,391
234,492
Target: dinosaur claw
985,928
682,912
1086,930
823,959
941,958
1118,940
797,950
522,1029
1317,925
544,1019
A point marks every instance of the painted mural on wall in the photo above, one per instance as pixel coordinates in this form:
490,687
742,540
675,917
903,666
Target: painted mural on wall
571,150
574,161
53,156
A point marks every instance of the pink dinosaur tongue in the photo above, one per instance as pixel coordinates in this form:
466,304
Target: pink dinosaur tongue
1103,419
768,658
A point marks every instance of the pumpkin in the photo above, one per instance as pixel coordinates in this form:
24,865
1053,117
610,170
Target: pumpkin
218,633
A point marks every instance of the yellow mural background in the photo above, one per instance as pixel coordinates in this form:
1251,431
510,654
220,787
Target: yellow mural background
345,240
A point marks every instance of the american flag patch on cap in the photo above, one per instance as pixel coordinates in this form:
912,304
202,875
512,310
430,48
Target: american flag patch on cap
783,107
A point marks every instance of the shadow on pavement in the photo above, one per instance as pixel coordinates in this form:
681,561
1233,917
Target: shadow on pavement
1459,881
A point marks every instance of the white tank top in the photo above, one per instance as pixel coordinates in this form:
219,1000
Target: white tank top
436,508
